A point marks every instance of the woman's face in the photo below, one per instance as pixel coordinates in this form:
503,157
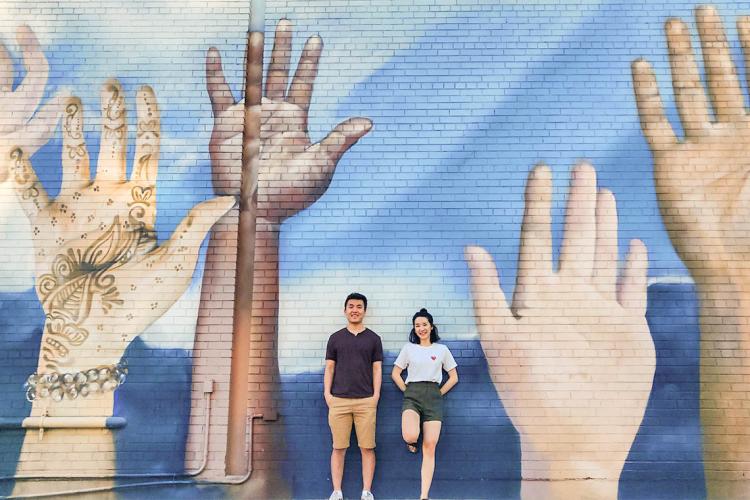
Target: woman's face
422,327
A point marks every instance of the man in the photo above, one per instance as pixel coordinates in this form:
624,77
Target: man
353,376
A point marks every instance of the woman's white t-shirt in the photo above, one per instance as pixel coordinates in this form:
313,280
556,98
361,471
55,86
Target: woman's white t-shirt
425,364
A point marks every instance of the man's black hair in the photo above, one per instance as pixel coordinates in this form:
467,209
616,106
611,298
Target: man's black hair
355,296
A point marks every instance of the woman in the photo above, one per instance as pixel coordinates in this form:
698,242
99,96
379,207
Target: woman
423,396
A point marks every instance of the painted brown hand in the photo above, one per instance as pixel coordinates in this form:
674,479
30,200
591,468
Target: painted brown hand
701,181
101,276
294,172
572,359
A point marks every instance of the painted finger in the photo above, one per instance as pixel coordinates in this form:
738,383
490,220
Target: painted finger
75,155
301,89
23,102
743,30
111,165
6,71
229,124
29,190
579,238
148,135
654,124
721,73
278,70
535,251
632,289
341,138
216,84
686,81
606,258
38,132
490,307
180,253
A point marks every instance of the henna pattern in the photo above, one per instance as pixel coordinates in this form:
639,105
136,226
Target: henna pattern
75,152
142,198
114,123
77,277
25,176
148,130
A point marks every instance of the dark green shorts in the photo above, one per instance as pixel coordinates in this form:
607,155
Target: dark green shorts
425,399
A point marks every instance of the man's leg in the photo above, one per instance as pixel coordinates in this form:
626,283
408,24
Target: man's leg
340,419
368,467
365,414
338,456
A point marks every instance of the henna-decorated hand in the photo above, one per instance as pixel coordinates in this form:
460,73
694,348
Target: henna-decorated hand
701,181
101,278
294,172
573,359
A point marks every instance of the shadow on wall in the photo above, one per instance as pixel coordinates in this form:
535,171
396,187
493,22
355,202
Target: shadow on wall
479,452
21,321
478,455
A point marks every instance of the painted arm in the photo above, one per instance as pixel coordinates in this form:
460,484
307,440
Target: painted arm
704,199
293,173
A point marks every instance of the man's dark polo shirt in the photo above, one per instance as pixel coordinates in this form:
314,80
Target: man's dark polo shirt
354,356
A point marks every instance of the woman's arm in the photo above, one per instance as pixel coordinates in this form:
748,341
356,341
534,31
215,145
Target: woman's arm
452,380
397,379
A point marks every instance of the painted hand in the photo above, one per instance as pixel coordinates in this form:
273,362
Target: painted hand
100,275
572,359
294,172
701,181
21,125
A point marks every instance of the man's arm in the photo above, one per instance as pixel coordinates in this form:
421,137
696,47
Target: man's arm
377,379
328,380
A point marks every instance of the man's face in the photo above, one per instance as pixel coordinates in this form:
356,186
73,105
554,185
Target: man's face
355,311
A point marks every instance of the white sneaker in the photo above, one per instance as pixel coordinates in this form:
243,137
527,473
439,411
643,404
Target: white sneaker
336,495
367,495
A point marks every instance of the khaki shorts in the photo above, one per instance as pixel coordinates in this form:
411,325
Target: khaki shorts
359,411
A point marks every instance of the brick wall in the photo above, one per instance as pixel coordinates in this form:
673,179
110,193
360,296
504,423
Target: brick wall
617,368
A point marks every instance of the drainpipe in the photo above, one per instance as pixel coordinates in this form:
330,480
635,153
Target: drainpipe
243,298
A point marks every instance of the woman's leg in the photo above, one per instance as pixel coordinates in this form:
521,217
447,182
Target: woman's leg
410,428
430,436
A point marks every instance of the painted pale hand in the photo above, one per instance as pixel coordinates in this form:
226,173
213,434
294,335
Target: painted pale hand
701,181
293,172
100,275
23,121
572,359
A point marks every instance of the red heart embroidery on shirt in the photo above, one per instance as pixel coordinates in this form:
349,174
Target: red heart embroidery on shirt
433,357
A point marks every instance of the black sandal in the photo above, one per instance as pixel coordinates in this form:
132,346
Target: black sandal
412,447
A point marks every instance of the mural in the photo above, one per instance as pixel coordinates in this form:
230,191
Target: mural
590,366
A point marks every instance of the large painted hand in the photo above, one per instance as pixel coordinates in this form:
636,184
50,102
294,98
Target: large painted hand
294,172
701,181
100,275
572,359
